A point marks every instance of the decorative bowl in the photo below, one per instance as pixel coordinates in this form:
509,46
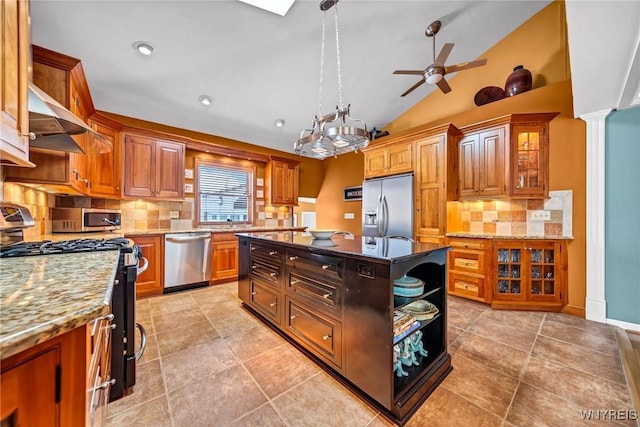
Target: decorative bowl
323,243
406,286
421,309
322,234
488,94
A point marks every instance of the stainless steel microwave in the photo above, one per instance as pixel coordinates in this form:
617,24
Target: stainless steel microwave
81,220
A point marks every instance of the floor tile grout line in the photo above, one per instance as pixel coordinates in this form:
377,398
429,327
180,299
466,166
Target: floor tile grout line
524,369
471,402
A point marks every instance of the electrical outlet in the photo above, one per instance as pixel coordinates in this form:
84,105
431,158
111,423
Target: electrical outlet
540,215
349,215
174,214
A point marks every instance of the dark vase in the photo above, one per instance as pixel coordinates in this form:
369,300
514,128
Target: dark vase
519,81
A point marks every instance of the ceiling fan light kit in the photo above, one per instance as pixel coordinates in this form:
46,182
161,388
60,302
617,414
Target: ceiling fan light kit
335,133
434,73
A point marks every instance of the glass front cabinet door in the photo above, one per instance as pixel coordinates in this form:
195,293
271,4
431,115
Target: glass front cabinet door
528,273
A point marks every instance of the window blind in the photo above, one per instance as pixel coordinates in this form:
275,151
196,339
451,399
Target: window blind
224,193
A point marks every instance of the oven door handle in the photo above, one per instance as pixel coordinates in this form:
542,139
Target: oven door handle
143,341
145,265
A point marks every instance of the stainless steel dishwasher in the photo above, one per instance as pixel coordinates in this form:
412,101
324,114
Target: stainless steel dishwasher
187,261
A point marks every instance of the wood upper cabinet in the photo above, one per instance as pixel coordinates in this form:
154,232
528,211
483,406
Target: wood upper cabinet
507,156
481,163
529,160
150,282
388,160
153,168
14,76
106,167
435,179
282,180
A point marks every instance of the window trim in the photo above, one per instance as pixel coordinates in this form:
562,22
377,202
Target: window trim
250,169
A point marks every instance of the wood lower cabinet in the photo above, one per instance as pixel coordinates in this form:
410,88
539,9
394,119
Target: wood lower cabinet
224,258
338,309
469,268
14,77
388,159
153,168
63,381
529,275
151,282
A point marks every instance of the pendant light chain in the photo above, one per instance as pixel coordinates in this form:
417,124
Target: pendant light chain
338,61
324,16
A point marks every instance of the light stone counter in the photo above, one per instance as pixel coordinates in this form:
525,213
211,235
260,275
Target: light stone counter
43,296
499,237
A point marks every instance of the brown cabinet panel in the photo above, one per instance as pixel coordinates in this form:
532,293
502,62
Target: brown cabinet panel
469,268
388,160
14,115
467,164
282,182
169,170
106,168
491,166
375,163
266,301
151,281
139,166
224,265
322,295
431,220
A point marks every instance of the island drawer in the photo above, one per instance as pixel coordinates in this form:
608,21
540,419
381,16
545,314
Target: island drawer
320,334
266,271
265,301
325,265
270,253
324,296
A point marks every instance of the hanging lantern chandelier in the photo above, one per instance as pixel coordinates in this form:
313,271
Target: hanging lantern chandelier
335,133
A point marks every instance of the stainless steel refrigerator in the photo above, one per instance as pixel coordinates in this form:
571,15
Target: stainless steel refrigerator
387,206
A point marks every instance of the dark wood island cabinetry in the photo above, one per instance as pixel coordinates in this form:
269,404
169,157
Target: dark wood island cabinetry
334,300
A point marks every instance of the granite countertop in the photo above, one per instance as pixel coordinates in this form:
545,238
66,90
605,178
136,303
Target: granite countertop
379,248
43,296
234,229
516,237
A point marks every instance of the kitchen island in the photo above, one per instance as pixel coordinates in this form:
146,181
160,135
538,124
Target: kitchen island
334,300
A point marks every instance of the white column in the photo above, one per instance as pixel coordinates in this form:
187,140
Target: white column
596,306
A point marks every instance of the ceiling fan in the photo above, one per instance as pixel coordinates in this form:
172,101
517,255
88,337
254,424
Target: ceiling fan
434,73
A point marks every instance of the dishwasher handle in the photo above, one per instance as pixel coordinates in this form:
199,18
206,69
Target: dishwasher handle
188,239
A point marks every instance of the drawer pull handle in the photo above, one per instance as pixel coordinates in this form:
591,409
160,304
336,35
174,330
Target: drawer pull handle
253,267
295,282
272,274
327,296
293,258
253,248
273,252
326,267
106,384
293,316
273,304
254,293
326,337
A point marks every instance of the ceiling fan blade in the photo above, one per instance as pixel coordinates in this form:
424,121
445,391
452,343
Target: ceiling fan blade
444,53
412,88
444,86
414,72
465,66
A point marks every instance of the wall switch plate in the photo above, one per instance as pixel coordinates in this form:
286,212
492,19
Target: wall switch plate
349,215
174,214
541,215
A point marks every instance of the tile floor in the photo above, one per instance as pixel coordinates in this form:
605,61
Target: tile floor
208,362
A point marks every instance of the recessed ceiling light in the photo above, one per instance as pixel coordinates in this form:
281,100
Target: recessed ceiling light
144,48
205,100
279,123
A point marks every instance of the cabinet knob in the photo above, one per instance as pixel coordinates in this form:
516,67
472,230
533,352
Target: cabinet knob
326,337
109,317
273,253
253,267
112,326
254,293
293,316
327,296
272,274
326,267
293,258
273,304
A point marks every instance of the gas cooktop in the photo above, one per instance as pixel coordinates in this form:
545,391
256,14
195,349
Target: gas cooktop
46,247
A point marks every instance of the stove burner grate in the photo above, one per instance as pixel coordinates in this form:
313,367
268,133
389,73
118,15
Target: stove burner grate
46,247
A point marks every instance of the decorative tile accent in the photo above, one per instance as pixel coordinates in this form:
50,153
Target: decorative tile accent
489,216
503,229
489,227
476,216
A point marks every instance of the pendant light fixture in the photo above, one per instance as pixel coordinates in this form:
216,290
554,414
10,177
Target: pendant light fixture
335,133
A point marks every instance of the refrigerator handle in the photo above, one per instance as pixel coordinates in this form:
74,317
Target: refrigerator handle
385,216
379,219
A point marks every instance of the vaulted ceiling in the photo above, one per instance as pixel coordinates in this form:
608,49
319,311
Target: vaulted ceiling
259,67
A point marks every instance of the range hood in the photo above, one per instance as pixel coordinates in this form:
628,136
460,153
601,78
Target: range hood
52,125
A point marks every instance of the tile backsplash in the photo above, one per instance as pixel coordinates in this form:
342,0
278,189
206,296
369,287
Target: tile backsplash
518,217
137,215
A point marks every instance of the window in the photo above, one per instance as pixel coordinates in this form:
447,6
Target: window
224,192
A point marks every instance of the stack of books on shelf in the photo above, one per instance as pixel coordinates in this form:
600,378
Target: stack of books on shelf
403,325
